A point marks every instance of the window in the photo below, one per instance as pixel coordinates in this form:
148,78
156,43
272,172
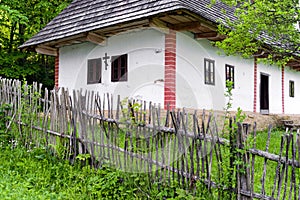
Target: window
119,68
229,73
94,71
292,89
209,69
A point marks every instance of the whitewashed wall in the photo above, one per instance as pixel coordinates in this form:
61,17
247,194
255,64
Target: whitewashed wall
145,65
145,49
292,104
275,92
191,89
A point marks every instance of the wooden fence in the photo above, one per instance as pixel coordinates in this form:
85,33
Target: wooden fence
166,145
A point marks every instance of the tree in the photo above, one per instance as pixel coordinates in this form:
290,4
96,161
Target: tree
20,20
267,28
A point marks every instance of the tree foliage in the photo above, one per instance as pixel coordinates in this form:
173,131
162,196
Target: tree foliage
262,26
20,20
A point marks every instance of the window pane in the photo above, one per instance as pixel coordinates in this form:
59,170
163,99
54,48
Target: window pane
206,74
119,68
98,71
212,74
90,73
123,71
209,71
123,61
229,73
94,71
115,72
292,89
114,69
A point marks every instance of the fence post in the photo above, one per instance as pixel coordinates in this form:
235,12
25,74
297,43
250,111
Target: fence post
243,173
232,143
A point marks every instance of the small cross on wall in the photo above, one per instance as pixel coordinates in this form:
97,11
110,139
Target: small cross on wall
106,58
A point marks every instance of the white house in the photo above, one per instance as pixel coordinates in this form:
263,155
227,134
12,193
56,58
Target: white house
160,51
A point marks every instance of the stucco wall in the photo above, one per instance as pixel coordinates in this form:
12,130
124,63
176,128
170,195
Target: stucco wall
145,65
145,49
191,89
292,104
275,94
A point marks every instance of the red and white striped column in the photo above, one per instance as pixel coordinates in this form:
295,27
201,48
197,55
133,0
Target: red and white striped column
255,85
170,70
56,71
282,88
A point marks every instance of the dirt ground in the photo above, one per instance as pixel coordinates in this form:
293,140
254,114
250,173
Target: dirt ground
262,121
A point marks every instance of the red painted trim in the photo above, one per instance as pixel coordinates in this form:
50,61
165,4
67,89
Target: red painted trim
255,85
56,71
282,87
170,70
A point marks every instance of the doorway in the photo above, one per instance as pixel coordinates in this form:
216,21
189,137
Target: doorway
264,94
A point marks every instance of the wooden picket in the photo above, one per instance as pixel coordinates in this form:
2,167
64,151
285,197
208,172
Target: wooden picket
166,145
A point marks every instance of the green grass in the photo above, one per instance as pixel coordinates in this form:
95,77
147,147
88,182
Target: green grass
36,174
39,175
261,140
274,148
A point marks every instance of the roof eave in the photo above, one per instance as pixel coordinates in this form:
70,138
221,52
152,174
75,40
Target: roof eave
158,21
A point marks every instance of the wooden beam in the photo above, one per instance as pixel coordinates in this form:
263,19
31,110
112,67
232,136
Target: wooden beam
57,43
293,64
96,39
205,23
295,68
70,42
42,49
126,30
208,35
159,25
114,28
186,26
261,53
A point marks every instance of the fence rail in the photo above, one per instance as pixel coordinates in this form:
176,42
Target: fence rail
166,145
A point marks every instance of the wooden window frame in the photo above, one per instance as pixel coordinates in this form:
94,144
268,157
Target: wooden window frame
292,88
94,71
119,68
209,71
229,74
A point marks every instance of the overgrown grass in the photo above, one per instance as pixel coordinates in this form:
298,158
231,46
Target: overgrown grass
36,174
274,148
